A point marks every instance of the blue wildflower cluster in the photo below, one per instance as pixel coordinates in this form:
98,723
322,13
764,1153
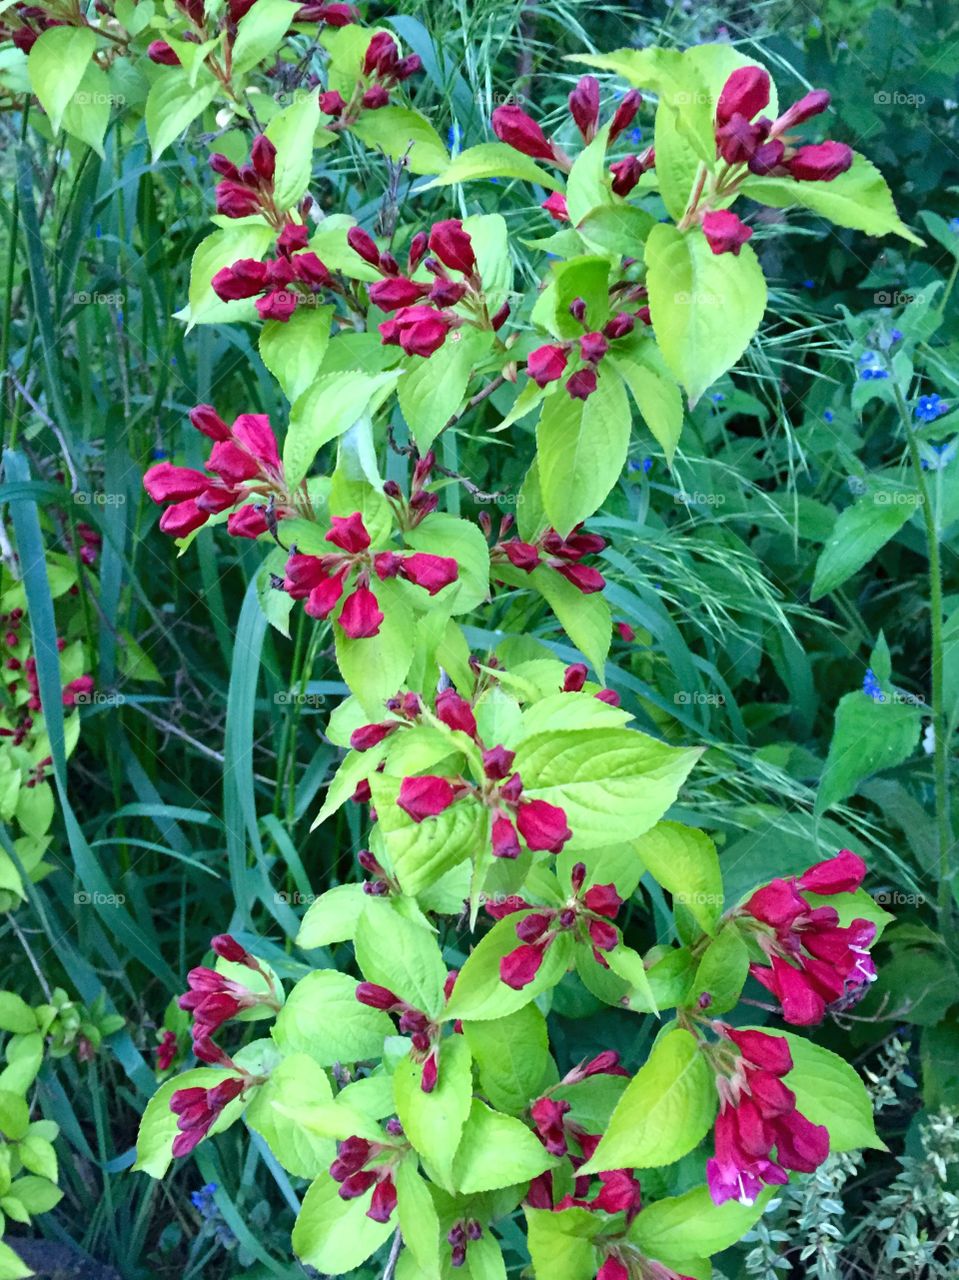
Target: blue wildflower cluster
205,1204
871,368
871,686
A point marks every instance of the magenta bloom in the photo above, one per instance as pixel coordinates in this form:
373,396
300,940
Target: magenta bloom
725,232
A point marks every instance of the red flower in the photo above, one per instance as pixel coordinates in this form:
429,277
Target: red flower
547,1115
197,1110
520,967
542,826
371,735
842,874
725,232
518,130
584,106
612,1269
583,577
453,246
582,384
160,52
349,532
523,555
626,173
455,712
555,206
419,330
504,838
425,797
592,347
574,677
248,522
332,102
738,140
384,1200
625,114
432,573
360,616
821,162
376,997
811,104
396,292
745,93
166,483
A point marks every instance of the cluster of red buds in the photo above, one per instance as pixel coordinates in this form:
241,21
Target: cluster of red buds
761,147
166,1051
20,665
322,580
249,189
214,999
360,1164
459,1237
383,70
421,502
244,461
24,23
542,826
758,1113
548,363
424,314
423,1032
575,677
561,1136
291,279
162,53
565,555
586,915
813,962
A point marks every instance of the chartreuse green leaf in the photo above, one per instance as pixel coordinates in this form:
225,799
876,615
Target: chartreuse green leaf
867,736
667,1108
14,1116
332,917
446,535
335,1235
489,235
585,277
403,134
422,852
858,198
493,160
158,1125
292,132
433,390
56,65
581,448
829,1092
300,1084
355,766
419,1223
723,970
433,1122
401,956
327,408
512,1055
654,390
588,185
87,113
497,1151
11,1268
173,103
15,1014
613,784
260,31
705,306
479,994
374,667
861,531
39,1156
684,861
293,350
692,1226
35,1195
561,1244
322,1017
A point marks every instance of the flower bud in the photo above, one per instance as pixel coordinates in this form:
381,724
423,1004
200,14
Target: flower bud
745,93
582,384
584,106
263,157
425,797
546,364
332,102
555,206
453,246
592,347
725,232
543,826
164,55
360,616
821,162
625,114
811,104
363,244
518,130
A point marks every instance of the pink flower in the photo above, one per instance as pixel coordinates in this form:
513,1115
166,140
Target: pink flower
197,1110
432,573
592,347
396,292
253,432
725,232
249,522
419,330
555,206
624,114
368,736
360,616
452,245
278,304
504,838
160,52
206,419
626,173
182,519
574,677
518,130
582,384
362,243
821,162
842,874
166,483
542,826
745,93
811,104
425,797
547,1115
349,532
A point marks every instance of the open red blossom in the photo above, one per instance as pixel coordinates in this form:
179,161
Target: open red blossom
725,232
518,130
425,797
419,330
349,532
820,162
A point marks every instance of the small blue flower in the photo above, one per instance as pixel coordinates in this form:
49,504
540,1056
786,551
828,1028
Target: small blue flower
203,1200
99,231
954,225
717,397
872,375
871,686
454,137
895,336
809,284
636,135
828,415
158,454
928,408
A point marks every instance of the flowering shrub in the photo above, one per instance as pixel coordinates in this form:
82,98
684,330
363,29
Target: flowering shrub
415,1074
